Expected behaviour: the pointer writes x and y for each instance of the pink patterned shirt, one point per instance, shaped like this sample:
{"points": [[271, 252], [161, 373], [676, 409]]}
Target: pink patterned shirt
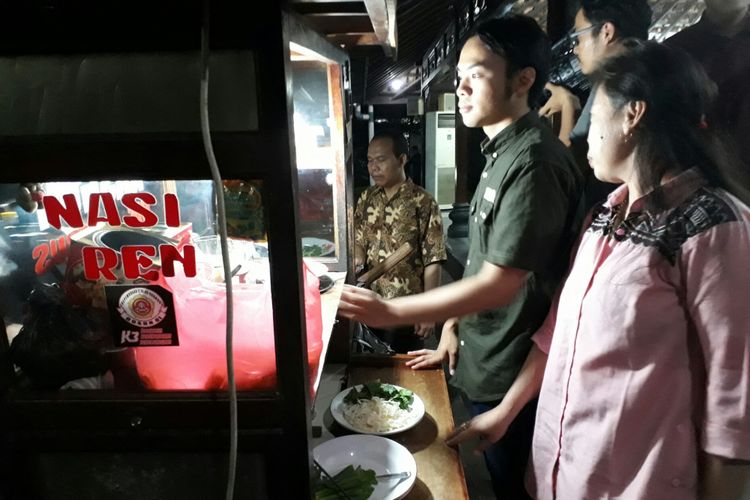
{"points": [[650, 359]]}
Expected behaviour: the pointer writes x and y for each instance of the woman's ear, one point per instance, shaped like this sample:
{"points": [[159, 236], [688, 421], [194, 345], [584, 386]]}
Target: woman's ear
{"points": [[634, 113]]}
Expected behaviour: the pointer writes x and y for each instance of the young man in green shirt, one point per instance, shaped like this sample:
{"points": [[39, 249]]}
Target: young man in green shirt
{"points": [[523, 219]]}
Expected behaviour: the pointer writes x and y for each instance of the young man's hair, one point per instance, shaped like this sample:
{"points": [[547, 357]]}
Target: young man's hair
{"points": [[631, 18], [522, 43], [398, 141]]}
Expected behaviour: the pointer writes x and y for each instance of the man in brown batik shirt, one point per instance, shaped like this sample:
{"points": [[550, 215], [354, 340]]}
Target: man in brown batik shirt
{"points": [[390, 213]]}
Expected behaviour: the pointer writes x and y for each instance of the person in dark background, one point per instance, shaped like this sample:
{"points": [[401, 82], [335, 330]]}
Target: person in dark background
{"points": [[720, 42], [392, 212], [361, 175], [16, 266], [525, 215], [414, 168], [599, 29]]}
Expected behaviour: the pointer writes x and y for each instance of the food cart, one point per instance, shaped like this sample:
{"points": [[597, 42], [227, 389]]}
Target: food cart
{"points": [[101, 105], [112, 372]]}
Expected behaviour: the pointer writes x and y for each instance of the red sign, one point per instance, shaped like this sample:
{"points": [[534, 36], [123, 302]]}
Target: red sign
{"points": [[99, 262]]}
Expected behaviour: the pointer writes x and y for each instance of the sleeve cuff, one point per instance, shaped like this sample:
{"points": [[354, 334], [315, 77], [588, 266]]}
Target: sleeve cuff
{"points": [[435, 258], [543, 339], [515, 261], [728, 443]]}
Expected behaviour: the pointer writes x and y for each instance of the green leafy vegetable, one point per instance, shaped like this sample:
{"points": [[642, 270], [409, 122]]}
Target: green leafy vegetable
{"points": [[403, 397], [356, 482], [312, 250]]}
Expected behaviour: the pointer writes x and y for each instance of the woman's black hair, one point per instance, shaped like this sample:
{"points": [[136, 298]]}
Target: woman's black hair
{"points": [[674, 133], [522, 43]]}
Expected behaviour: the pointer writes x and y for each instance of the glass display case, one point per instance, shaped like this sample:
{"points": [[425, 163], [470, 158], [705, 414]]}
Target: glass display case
{"points": [[119, 285], [320, 154], [111, 296]]}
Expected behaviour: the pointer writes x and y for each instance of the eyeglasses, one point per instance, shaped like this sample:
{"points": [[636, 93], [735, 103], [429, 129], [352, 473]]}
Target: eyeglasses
{"points": [[573, 35]]}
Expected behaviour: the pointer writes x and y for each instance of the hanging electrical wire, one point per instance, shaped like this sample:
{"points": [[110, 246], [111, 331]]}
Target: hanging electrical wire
{"points": [[218, 192]]}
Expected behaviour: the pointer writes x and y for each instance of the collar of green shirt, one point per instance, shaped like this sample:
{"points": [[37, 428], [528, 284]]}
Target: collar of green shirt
{"points": [[495, 146]]}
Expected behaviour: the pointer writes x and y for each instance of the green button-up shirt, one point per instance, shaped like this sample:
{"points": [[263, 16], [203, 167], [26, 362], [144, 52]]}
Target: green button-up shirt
{"points": [[525, 214]]}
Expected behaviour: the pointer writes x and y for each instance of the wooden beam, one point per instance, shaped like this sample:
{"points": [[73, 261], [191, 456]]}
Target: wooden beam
{"points": [[353, 39], [319, 1], [382, 19], [392, 27], [357, 7], [335, 22]]}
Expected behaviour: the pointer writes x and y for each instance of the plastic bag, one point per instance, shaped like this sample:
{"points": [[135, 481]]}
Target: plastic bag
{"points": [[58, 343], [365, 341], [199, 362]]}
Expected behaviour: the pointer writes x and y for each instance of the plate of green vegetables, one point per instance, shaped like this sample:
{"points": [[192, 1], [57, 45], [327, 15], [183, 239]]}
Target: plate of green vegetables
{"points": [[377, 408], [355, 461]]}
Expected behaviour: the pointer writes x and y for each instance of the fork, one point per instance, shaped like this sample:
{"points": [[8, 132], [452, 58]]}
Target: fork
{"points": [[395, 475]]}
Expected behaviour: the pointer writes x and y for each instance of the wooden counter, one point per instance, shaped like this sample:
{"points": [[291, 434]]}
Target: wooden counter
{"points": [[440, 475], [329, 304]]}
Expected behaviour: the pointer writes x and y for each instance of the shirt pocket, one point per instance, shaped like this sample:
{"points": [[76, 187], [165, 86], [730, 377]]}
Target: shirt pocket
{"points": [[482, 219], [404, 229], [484, 212]]}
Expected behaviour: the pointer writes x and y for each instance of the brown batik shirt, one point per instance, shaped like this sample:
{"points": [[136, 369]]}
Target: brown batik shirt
{"points": [[381, 226]]}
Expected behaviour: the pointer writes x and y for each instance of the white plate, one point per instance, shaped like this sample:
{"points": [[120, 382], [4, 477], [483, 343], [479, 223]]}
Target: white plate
{"points": [[337, 411], [370, 452], [328, 246], [317, 268]]}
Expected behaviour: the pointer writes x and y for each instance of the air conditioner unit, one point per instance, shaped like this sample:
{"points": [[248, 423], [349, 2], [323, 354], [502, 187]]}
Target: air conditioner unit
{"points": [[440, 157], [414, 106], [447, 102]]}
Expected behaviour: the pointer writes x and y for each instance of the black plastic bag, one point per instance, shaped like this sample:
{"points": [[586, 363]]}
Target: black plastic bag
{"points": [[365, 341], [57, 343]]}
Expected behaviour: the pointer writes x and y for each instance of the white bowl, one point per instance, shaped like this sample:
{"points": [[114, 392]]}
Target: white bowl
{"points": [[327, 247], [337, 411], [370, 452]]}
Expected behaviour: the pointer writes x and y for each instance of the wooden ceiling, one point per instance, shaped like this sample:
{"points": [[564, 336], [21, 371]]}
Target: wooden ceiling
{"points": [[353, 23], [388, 38]]}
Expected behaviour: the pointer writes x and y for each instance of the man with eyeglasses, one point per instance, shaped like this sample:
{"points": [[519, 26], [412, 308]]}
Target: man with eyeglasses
{"points": [[600, 26]]}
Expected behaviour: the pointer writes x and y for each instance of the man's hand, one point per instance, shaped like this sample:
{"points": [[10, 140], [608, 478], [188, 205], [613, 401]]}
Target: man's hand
{"points": [[366, 307], [447, 349], [29, 196], [561, 100], [489, 427], [424, 330]]}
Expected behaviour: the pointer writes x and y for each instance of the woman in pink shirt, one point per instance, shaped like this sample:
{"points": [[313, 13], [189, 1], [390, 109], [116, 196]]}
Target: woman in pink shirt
{"points": [[646, 356]]}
